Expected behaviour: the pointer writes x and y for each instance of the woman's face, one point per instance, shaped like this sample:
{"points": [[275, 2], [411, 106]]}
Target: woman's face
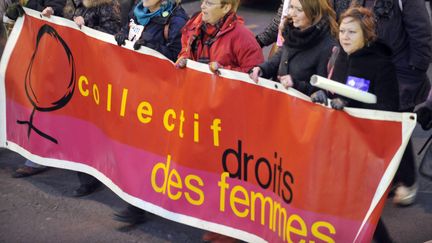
{"points": [[351, 35], [213, 10], [295, 11], [152, 5]]}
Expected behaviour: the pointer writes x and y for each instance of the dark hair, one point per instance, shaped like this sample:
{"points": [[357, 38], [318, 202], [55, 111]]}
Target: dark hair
{"points": [[365, 18], [315, 10]]}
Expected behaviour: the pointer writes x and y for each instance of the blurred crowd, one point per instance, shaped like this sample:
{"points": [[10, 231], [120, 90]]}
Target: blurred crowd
{"points": [[378, 46]]}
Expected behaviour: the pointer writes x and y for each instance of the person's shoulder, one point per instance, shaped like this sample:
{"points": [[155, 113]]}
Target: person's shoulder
{"points": [[243, 37], [380, 49], [326, 44], [179, 11], [240, 28], [193, 22], [179, 15], [330, 39], [243, 34]]}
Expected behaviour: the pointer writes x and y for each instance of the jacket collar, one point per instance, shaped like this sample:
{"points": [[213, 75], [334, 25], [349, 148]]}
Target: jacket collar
{"points": [[230, 22]]}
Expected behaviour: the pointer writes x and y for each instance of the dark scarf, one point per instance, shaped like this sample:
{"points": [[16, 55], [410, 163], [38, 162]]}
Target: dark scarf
{"points": [[302, 39], [205, 35]]}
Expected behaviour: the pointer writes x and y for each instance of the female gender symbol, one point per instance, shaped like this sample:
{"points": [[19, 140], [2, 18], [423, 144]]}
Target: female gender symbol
{"points": [[32, 93]]}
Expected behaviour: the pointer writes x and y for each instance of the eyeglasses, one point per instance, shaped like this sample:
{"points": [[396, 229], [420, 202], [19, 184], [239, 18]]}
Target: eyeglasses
{"points": [[209, 4]]}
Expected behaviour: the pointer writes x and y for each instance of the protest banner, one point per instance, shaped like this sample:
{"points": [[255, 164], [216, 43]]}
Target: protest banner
{"points": [[221, 153]]}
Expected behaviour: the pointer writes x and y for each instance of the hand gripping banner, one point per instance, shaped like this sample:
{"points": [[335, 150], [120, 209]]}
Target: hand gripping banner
{"points": [[255, 162]]}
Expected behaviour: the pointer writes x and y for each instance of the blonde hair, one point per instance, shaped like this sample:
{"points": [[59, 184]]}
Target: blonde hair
{"points": [[234, 3]]}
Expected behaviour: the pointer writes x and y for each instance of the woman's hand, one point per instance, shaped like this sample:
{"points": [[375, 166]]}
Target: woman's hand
{"points": [[338, 103], [319, 97], [47, 12], [214, 67], [181, 62], [79, 20], [120, 38], [286, 81], [255, 73]]}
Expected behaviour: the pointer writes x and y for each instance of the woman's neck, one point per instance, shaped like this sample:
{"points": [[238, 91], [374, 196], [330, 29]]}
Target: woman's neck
{"points": [[154, 8]]}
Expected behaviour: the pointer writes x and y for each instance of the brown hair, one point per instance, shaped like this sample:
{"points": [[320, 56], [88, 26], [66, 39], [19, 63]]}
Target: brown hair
{"points": [[315, 10], [234, 4], [365, 18]]}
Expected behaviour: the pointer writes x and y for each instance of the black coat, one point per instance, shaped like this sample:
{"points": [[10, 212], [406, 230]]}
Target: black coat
{"points": [[303, 54], [269, 35], [408, 33], [372, 63], [40, 5], [103, 15]]}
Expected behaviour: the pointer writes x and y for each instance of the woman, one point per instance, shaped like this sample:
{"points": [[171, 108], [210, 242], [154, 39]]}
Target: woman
{"points": [[103, 15], [217, 36], [368, 63], [363, 61], [307, 47], [405, 27], [155, 24]]}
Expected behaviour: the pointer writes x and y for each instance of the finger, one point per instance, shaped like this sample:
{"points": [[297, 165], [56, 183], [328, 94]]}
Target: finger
{"points": [[285, 83], [255, 75], [337, 105], [255, 78], [215, 71], [181, 63]]}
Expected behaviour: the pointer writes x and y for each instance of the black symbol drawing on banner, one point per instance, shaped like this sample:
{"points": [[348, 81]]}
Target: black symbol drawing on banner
{"points": [[34, 97]]}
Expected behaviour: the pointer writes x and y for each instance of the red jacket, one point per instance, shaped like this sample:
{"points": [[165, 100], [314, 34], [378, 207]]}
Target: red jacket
{"points": [[234, 46]]}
